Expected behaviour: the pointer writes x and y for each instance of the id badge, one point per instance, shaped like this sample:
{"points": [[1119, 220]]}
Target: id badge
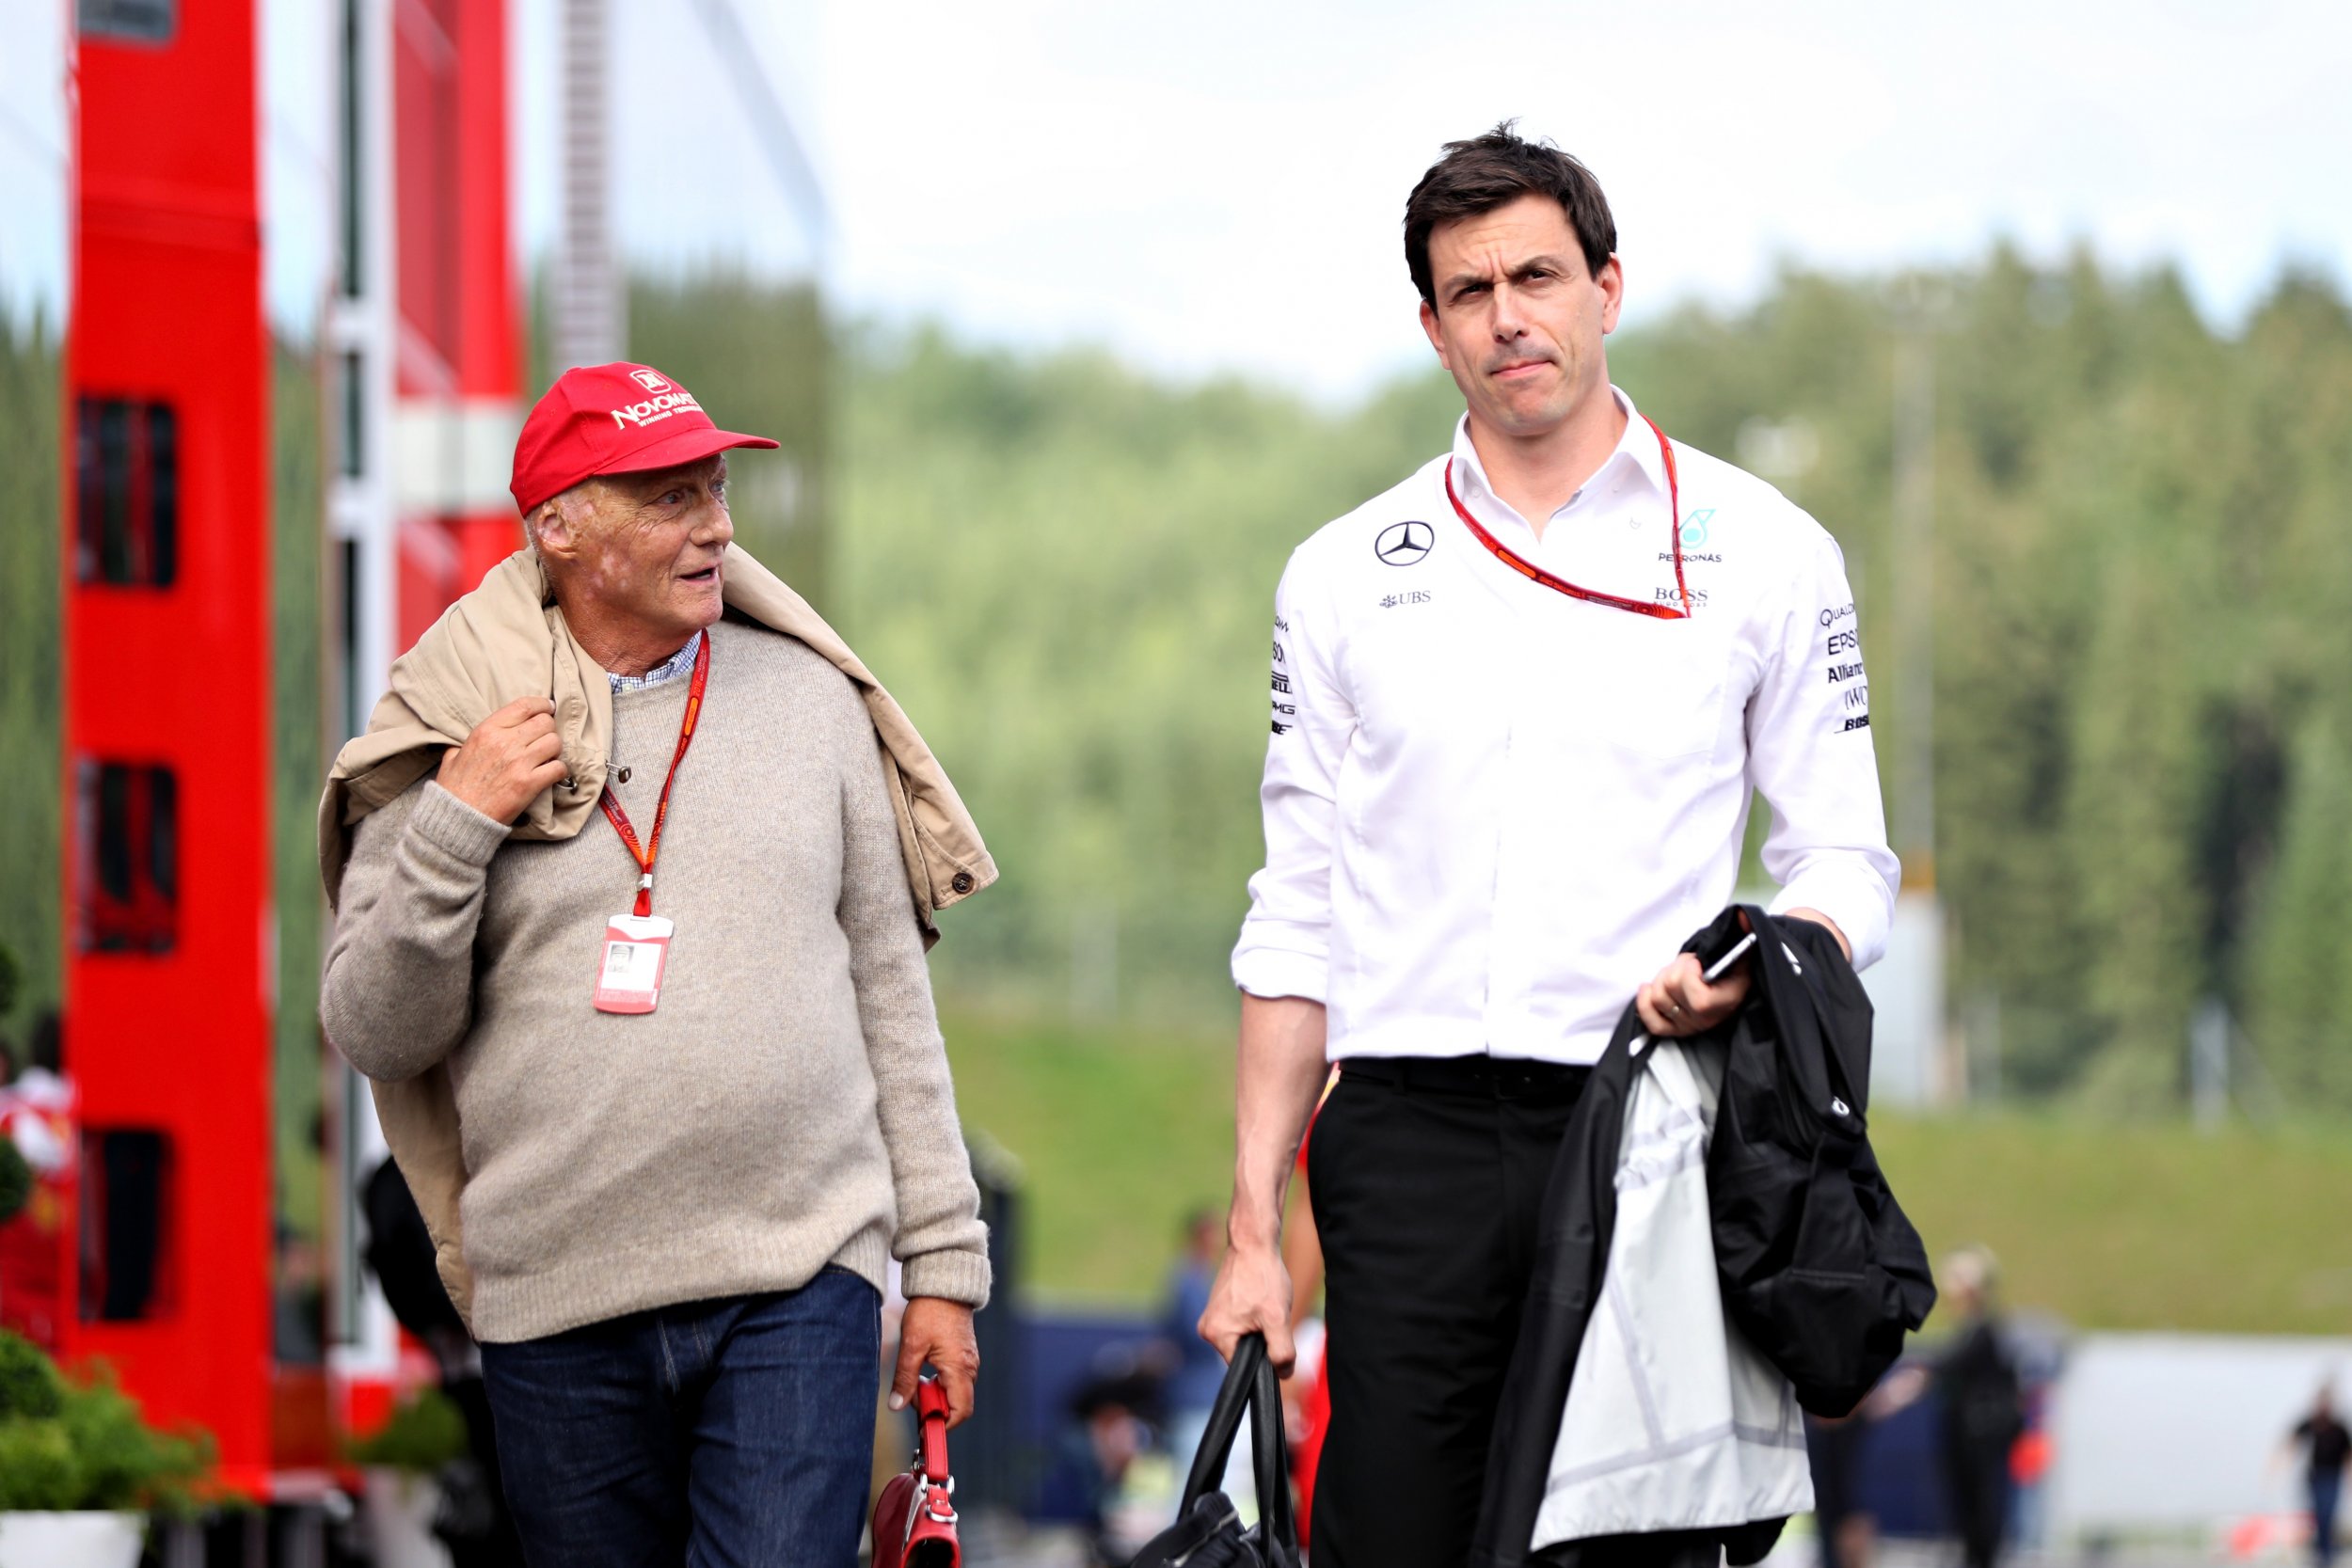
{"points": [[636, 949]]}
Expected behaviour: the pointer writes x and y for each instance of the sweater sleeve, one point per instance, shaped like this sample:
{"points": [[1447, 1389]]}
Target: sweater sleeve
{"points": [[398, 993], [941, 1240]]}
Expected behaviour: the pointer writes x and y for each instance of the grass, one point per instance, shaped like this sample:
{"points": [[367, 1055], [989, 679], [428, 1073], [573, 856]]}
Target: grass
{"points": [[2148, 1226], [1119, 1132]]}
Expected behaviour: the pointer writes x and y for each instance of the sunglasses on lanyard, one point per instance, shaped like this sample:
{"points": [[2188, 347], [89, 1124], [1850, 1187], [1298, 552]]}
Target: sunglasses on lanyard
{"points": [[1533, 573]]}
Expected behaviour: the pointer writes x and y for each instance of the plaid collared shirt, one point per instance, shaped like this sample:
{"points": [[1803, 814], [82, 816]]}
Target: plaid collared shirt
{"points": [[676, 664]]}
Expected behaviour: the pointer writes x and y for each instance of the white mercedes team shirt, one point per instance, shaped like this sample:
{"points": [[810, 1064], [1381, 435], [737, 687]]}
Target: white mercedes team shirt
{"points": [[1492, 811]]}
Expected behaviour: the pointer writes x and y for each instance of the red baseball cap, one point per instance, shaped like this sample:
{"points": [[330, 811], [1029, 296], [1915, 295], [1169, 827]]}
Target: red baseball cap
{"points": [[616, 418]]}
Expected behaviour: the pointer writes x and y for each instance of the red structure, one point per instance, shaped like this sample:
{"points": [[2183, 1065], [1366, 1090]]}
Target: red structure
{"points": [[169, 954], [164, 1262], [458, 369]]}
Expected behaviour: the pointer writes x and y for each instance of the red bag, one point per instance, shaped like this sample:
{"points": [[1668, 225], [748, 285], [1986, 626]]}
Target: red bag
{"points": [[914, 1523]]}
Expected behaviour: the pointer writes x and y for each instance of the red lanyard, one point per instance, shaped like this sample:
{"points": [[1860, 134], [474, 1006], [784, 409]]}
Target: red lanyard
{"points": [[643, 854], [1533, 573]]}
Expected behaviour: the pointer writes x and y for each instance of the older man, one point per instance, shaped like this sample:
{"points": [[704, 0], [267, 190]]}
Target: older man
{"points": [[699, 1094]]}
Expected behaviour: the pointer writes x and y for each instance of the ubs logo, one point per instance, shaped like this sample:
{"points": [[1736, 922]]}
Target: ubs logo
{"points": [[1404, 544]]}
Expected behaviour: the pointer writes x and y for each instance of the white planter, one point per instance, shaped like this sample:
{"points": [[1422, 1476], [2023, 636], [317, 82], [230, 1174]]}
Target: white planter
{"points": [[71, 1540], [398, 1506]]}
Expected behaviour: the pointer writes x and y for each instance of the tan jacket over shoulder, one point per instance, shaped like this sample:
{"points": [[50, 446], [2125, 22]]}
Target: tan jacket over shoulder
{"points": [[506, 640]]}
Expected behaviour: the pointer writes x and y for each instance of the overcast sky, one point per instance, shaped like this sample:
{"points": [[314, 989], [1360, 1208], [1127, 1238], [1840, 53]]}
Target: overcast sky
{"points": [[1218, 185]]}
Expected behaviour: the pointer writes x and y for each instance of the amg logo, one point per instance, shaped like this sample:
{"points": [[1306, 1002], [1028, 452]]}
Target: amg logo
{"points": [[653, 410]]}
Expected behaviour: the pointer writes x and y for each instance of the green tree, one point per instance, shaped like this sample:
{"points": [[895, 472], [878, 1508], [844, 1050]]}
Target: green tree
{"points": [[2300, 959]]}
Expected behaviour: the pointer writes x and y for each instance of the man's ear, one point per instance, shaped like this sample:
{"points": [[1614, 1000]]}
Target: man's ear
{"points": [[1612, 281], [558, 540], [1429, 325]]}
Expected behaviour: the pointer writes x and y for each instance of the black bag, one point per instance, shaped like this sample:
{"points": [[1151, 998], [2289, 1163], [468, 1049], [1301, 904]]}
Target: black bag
{"points": [[1208, 1532], [1819, 1266]]}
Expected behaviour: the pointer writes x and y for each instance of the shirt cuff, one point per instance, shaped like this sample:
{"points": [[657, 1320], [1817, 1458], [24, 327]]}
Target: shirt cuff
{"points": [[951, 1276], [1856, 900], [1271, 972], [456, 828]]}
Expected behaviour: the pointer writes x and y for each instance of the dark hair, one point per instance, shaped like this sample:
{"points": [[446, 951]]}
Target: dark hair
{"points": [[1494, 170]]}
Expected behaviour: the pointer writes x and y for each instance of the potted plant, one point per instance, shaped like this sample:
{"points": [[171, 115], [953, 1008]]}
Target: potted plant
{"points": [[80, 1468], [402, 1463]]}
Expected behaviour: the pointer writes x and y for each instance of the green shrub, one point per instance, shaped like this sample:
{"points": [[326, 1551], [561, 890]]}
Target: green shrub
{"points": [[69, 1445], [125, 1462], [425, 1431], [30, 1388], [37, 1468], [16, 1180]]}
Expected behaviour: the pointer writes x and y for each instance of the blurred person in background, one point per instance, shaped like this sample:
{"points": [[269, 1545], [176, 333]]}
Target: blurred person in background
{"points": [[1126, 1488], [2327, 1448], [680, 1173], [1520, 705], [1307, 1392], [1983, 1407], [38, 1121], [471, 1520], [1845, 1529], [1198, 1371]]}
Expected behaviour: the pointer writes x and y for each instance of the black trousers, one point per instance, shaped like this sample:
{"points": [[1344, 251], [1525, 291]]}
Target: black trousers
{"points": [[1428, 1180]]}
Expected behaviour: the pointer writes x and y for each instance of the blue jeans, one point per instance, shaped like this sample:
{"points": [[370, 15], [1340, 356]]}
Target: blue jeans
{"points": [[2326, 1488], [731, 1432]]}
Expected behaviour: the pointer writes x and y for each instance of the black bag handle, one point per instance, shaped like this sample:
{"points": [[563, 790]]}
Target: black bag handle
{"points": [[1225, 1419], [1271, 1456], [1249, 1390]]}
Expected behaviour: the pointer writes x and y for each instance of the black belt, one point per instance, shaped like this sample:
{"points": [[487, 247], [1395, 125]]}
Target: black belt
{"points": [[1493, 1077]]}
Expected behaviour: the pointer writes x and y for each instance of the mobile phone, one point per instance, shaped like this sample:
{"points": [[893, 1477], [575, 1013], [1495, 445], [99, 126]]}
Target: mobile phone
{"points": [[1721, 966]]}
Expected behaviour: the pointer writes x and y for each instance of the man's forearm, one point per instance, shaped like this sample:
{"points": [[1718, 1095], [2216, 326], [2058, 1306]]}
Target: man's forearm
{"points": [[397, 990], [1819, 919], [1280, 1070]]}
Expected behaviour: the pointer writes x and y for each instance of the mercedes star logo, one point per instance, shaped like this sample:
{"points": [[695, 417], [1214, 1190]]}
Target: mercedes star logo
{"points": [[1403, 543]]}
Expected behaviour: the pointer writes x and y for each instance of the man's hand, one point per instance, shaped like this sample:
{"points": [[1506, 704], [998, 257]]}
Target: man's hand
{"points": [[1677, 1001], [510, 757], [939, 1331], [1252, 1293]]}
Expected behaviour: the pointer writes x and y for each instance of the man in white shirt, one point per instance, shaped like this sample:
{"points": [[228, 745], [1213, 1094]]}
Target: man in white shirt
{"points": [[1520, 704]]}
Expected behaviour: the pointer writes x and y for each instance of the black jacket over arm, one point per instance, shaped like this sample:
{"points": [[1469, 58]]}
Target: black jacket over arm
{"points": [[1819, 1269]]}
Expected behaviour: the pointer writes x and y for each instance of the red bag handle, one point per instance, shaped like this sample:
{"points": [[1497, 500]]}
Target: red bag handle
{"points": [[930, 1413], [915, 1521]]}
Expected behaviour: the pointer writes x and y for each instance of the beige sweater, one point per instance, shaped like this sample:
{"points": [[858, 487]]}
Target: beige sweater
{"points": [[786, 1106], [507, 639]]}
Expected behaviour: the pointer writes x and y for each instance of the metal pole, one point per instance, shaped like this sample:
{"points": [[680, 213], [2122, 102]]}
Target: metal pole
{"points": [[1915, 599], [2209, 1065], [591, 306]]}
